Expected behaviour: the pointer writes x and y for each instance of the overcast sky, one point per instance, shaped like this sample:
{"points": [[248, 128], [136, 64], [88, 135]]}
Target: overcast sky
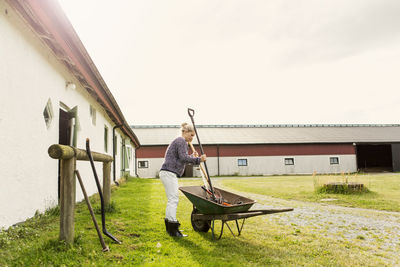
{"points": [[246, 61]]}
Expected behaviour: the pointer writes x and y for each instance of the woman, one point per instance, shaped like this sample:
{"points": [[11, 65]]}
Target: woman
{"points": [[173, 167]]}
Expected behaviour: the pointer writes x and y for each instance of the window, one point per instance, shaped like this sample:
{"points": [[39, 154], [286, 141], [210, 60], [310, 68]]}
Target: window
{"points": [[143, 164], [242, 162], [48, 113], [289, 161], [127, 156], [93, 114], [334, 160], [105, 139]]}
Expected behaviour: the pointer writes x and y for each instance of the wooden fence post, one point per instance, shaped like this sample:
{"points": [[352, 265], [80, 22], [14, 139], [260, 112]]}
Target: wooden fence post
{"points": [[107, 183], [68, 156], [67, 200]]}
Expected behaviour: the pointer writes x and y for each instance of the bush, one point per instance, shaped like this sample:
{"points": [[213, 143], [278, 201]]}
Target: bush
{"points": [[340, 184], [343, 188]]}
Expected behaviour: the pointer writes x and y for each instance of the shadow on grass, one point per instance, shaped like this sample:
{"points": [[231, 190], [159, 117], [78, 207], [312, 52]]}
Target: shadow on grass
{"points": [[229, 251]]}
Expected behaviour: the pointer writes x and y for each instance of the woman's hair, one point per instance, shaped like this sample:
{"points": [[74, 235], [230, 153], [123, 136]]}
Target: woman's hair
{"points": [[187, 127]]}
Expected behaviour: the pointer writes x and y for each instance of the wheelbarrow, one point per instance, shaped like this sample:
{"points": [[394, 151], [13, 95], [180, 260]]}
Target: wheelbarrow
{"points": [[211, 204], [234, 208]]}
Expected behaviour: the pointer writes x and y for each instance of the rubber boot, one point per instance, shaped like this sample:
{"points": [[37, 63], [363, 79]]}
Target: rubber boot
{"points": [[167, 227], [174, 227]]}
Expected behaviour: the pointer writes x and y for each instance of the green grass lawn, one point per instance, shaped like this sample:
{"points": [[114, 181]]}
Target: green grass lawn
{"points": [[384, 189], [139, 222]]}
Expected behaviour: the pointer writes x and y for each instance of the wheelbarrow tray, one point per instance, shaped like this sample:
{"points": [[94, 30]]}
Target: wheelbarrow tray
{"points": [[201, 200]]}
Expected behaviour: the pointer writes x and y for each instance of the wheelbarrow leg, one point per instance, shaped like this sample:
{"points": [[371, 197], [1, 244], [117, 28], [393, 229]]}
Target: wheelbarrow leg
{"points": [[212, 230], [241, 227], [224, 222]]}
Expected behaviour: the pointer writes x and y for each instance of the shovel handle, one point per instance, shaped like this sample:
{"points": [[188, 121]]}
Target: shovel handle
{"points": [[191, 112], [192, 147], [201, 167], [203, 171]]}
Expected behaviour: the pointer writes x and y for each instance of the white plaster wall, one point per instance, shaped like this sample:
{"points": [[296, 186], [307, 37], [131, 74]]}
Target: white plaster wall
{"points": [[266, 165], [154, 167], [156, 163], [212, 166], [29, 76], [275, 165]]}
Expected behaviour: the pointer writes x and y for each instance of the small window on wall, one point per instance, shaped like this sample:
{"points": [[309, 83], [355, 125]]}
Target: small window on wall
{"points": [[242, 162], [105, 138], [48, 113], [143, 164], [334, 160], [128, 156], [289, 161], [93, 115]]}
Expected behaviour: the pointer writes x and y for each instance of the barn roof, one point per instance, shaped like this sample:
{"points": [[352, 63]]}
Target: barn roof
{"points": [[274, 134], [48, 21]]}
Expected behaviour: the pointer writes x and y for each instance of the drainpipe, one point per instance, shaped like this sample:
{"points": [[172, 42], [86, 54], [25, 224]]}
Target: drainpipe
{"points": [[74, 114], [136, 164], [218, 158], [355, 150], [114, 146]]}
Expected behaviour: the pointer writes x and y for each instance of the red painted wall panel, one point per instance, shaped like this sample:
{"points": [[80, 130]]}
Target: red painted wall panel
{"points": [[151, 152], [256, 150], [281, 150]]}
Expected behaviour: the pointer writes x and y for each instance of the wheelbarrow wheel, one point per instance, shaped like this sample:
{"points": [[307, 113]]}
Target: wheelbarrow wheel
{"points": [[200, 225]]}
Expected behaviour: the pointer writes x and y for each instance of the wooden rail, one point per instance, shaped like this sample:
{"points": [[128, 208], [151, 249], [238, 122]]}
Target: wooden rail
{"points": [[68, 156], [66, 152]]}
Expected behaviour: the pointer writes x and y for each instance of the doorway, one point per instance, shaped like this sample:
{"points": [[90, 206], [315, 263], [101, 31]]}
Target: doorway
{"points": [[188, 170], [64, 137], [374, 157]]}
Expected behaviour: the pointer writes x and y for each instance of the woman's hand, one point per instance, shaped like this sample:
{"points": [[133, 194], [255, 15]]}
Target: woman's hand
{"points": [[203, 158], [195, 154]]}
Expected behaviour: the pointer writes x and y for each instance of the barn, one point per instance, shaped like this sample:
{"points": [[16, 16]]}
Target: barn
{"points": [[278, 149], [51, 92]]}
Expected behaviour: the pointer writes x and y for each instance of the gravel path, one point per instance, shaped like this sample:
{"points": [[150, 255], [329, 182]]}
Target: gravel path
{"points": [[379, 231]]}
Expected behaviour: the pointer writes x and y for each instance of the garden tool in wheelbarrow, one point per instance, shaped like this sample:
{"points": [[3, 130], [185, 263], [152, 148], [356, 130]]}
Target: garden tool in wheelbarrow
{"points": [[211, 204], [206, 180], [214, 195]]}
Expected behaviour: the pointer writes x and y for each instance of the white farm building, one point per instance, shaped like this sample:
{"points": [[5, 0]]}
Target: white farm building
{"points": [[51, 92], [278, 149]]}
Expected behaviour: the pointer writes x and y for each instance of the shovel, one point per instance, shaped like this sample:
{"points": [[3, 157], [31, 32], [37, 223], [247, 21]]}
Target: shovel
{"points": [[207, 175]]}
